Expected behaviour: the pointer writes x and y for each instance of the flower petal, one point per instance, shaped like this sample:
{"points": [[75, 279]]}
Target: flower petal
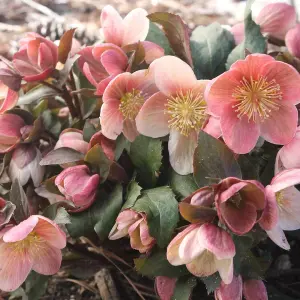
{"points": [[278, 237], [232, 291], [114, 62], [225, 269], [254, 290], [285, 179], [129, 130]]}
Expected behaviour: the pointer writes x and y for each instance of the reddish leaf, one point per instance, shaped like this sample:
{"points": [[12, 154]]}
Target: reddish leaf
{"points": [[137, 56], [11, 79], [176, 32], [65, 45]]}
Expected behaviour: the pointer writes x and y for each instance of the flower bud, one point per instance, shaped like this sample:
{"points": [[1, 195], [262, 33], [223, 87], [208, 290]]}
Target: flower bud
{"points": [[231, 291], [25, 164], [135, 225], [36, 58], [106, 144], [254, 290], [292, 41], [78, 186]]}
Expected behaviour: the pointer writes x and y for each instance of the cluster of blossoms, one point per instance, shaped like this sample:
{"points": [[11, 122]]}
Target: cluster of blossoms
{"points": [[141, 94]]}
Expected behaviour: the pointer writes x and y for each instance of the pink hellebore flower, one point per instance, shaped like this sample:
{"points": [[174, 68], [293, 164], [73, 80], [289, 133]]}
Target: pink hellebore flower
{"points": [[100, 64], [25, 164], [135, 225], [10, 131], [72, 138], [122, 101], [240, 203], [283, 207], [204, 249], [34, 244], [78, 186], [257, 96], [179, 109], [36, 58], [292, 40], [121, 32]]}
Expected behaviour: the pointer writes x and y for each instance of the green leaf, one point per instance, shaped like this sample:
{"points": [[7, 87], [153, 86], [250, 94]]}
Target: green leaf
{"points": [[249, 167], [210, 47], [109, 212], [158, 265], [213, 160], [237, 53], [146, 155], [184, 288], [88, 130], [51, 123], [60, 156], [161, 209], [182, 185], [211, 282], [57, 211], [156, 35], [176, 32], [133, 192], [38, 93], [36, 285], [121, 144]]}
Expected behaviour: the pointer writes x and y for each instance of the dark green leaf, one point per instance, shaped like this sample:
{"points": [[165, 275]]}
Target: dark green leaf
{"points": [[145, 153], [211, 282], [176, 32], [249, 167], [213, 160], [88, 106], [88, 130], [51, 123], [40, 108], [184, 288], [36, 285], [237, 53], [161, 209], [210, 47], [109, 212], [158, 265], [121, 144], [133, 192], [60, 156]]}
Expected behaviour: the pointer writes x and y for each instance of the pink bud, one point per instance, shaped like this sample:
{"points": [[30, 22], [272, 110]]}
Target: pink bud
{"points": [[135, 225], [25, 164], [292, 40], [231, 291], [238, 31], [36, 58], [78, 186], [164, 287], [10, 131], [255, 290], [106, 144], [72, 138]]}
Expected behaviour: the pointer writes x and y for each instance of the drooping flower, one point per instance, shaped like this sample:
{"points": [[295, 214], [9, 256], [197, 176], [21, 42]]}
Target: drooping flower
{"points": [[25, 164], [292, 40], [179, 109], [283, 206], [239, 203], [78, 186], [257, 96], [36, 58], [10, 131], [101, 63], [34, 244], [135, 225], [121, 32], [122, 101], [231, 291], [204, 249]]}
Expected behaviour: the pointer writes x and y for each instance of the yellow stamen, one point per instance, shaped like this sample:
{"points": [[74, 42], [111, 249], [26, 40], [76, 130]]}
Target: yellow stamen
{"points": [[33, 242], [282, 201], [187, 112], [256, 98], [131, 104]]}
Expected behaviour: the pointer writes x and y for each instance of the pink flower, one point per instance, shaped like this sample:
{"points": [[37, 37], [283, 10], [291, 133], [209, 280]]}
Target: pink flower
{"points": [[108, 146], [292, 40], [25, 164], [135, 225], [100, 64], [36, 58], [254, 290], [239, 203], [283, 207], [34, 244], [78, 186], [257, 96], [122, 100], [72, 138], [164, 287], [204, 249], [179, 109], [10, 131], [121, 32], [238, 31]]}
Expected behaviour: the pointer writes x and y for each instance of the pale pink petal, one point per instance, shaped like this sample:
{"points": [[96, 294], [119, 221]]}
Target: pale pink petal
{"points": [[213, 127], [216, 240], [10, 101], [21, 231], [225, 269], [181, 151], [254, 290], [278, 237], [112, 25], [164, 287], [45, 59], [172, 75], [234, 131], [14, 268], [145, 236], [285, 179], [153, 112], [238, 31], [46, 259], [89, 75], [232, 291], [292, 41], [136, 26], [102, 85], [129, 130], [278, 164], [116, 234], [114, 62], [152, 51], [111, 120]]}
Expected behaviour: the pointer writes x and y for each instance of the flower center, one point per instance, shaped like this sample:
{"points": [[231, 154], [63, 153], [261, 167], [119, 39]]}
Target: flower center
{"points": [[31, 241], [131, 104], [187, 112], [256, 98], [282, 201], [236, 200]]}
